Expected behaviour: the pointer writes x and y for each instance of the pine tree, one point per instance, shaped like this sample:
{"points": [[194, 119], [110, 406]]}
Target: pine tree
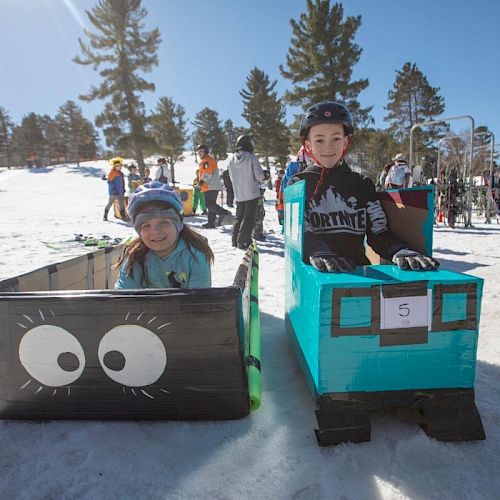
{"points": [[6, 125], [372, 149], [77, 133], [482, 152], [53, 142], [209, 131], [321, 58], [28, 141], [168, 128], [122, 50], [413, 100], [231, 134], [265, 115]]}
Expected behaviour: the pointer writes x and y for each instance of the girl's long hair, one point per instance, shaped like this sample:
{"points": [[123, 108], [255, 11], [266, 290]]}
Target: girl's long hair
{"points": [[137, 251]]}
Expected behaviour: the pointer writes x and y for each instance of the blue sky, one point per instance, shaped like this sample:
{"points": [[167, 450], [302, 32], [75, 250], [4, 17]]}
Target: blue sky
{"points": [[209, 47]]}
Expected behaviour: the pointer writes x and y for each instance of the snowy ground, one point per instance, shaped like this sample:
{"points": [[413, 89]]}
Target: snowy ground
{"points": [[272, 454]]}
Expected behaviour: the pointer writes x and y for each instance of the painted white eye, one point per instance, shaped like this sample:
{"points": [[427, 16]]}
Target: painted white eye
{"points": [[132, 355], [51, 355]]}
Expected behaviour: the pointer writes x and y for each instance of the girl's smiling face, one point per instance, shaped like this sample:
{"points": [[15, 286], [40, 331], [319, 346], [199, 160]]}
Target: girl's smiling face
{"points": [[327, 142], [159, 235]]}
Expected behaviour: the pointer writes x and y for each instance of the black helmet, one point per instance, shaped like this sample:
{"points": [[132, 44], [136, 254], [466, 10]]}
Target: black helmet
{"points": [[326, 112], [245, 142], [204, 147]]}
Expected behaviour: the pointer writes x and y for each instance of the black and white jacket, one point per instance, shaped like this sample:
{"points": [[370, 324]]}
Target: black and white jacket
{"points": [[344, 210]]}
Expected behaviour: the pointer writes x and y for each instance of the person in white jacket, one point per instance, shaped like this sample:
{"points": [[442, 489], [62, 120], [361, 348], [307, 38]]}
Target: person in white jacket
{"points": [[245, 172]]}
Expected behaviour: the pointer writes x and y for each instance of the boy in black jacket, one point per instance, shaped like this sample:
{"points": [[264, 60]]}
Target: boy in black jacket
{"points": [[342, 205]]}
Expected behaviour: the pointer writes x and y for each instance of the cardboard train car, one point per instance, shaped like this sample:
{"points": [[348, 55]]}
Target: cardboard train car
{"points": [[71, 347], [382, 339]]}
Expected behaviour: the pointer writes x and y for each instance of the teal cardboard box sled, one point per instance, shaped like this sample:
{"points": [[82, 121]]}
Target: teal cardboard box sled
{"points": [[380, 338]]}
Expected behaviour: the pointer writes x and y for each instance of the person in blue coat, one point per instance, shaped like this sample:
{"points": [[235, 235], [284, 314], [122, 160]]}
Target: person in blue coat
{"points": [[116, 187], [167, 253]]}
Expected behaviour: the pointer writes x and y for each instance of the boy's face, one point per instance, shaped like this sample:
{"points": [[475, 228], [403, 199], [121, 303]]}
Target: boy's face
{"points": [[327, 142], [201, 153]]}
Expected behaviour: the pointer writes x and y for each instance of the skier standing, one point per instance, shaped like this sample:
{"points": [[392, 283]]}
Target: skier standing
{"points": [[245, 172]]}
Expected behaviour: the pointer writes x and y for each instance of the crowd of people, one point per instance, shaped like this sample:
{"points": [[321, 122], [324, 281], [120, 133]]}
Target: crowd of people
{"points": [[169, 253]]}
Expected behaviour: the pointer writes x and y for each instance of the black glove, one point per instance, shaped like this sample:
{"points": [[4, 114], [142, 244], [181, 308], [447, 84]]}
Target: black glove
{"points": [[329, 262], [414, 261]]}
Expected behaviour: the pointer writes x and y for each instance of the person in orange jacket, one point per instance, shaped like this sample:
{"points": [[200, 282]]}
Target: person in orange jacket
{"points": [[210, 185]]}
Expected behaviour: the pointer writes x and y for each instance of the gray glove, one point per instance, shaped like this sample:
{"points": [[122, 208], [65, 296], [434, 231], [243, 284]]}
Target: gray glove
{"points": [[414, 261], [329, 262]]}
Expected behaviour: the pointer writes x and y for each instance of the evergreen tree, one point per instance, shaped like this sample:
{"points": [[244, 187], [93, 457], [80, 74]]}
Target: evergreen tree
{"points": [[79, 138], [482, 149], [168, 128], [6, 125], [53, 142], [231, 134], [322, 57], [209, 131], [122, 50], [28, 140], [265, 115], [372, 149], [413, 100]]}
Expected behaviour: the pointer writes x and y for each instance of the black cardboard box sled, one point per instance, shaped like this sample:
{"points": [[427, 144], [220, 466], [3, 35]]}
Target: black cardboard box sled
{"points": [[122, 354]]}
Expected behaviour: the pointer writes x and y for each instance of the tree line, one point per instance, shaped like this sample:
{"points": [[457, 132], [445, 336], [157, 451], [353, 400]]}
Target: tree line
{"points": [[319, 64]]}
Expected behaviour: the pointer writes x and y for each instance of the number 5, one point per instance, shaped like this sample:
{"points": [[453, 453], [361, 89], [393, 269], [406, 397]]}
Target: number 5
{"points": [[404, 310]]}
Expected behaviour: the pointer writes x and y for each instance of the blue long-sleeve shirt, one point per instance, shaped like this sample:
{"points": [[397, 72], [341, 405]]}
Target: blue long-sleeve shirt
{"points": [[179, 267]]}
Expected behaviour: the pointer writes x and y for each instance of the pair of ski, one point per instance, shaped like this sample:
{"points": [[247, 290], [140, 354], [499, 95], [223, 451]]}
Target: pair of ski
{"points": [[103, 241]]}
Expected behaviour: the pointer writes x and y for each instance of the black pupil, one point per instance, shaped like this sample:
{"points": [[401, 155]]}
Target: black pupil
{"points": [[114, 360], [68, 361]]}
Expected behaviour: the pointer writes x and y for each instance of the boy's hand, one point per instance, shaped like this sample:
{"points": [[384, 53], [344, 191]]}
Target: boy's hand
{"points": [[329, 262], [414, 261]]}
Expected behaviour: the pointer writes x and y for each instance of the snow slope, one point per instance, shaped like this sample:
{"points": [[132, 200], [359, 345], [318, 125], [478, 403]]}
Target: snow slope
{"points": [[272, 454]]}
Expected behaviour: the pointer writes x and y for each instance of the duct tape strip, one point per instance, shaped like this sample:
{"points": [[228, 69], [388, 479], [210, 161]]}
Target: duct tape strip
{"points": [[373, 328], [90, 271], [108, 263], [470, 319], [253, 361], [53, 277]]}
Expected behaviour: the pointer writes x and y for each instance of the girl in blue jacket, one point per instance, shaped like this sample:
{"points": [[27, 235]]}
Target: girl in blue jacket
{"points": [[167, 253]]}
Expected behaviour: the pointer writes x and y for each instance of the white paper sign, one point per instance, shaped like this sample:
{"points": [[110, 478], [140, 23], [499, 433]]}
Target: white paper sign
{"points": [[405, 312]]}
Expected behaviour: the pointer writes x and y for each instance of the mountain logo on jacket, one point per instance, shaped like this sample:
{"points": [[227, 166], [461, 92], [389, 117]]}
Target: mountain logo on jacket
{"points": [[333, 212]]}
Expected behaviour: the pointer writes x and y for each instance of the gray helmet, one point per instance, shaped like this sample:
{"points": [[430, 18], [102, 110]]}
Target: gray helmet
{"points": [[326, 112], [245, 142], [204, 147]]}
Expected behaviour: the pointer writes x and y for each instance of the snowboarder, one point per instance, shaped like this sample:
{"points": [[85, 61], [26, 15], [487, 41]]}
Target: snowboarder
{"points": [[167, 253], [341, 206]]}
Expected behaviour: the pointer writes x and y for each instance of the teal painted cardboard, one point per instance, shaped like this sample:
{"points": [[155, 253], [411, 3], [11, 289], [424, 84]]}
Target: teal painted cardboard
{"points": [[343, 325]]}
